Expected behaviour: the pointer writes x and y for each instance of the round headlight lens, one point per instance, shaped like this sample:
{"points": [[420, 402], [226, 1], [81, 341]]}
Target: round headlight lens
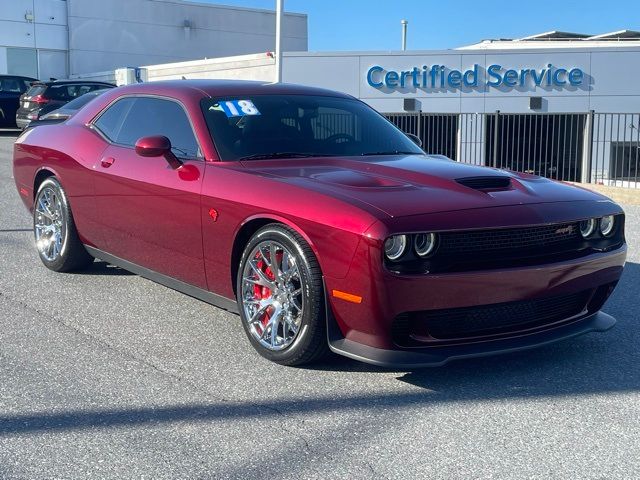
{"points": [[606, 225], [587, 227], [424, 243], [395, 246]]}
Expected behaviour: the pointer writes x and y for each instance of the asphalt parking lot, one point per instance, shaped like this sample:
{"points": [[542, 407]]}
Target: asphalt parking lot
{"points": [[107, 375]]}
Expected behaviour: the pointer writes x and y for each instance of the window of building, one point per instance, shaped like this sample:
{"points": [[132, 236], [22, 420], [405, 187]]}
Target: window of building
{"points": [[625, 158], [22, 61]]}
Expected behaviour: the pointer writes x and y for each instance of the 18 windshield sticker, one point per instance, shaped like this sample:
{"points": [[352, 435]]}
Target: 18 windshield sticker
{"points": [[236, 108]]}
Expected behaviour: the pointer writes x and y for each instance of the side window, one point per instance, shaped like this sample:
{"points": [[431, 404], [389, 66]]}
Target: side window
{"points": [[81, 90], [111, 120], [25, 85], [155, 116], [10, 84], [61, 93]]}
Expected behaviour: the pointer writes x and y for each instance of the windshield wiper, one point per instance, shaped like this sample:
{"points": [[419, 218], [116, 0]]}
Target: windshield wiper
{"points": [[263, 156], [394, 152]]}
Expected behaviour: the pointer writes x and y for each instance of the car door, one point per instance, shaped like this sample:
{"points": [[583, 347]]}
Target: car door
{"points": [[150, 212], [10, 90]]}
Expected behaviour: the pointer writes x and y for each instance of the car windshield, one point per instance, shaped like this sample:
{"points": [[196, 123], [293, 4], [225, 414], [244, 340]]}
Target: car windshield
{"points": [[253, 127]]}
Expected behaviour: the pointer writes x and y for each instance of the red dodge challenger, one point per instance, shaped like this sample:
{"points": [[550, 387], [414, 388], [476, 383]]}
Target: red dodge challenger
{"points": [[319, 222]]}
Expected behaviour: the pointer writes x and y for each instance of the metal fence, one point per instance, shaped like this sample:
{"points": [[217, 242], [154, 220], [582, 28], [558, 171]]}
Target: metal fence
{"points": [[438, 131], [584, 147], [542, 144], [615, 149]]}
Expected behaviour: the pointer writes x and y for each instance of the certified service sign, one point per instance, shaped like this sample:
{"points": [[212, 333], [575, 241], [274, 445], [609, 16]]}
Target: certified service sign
{"points": [[442, 77]]}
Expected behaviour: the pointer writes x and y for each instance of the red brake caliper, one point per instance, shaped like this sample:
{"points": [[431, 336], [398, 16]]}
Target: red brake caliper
{"points": [[260, 292]]}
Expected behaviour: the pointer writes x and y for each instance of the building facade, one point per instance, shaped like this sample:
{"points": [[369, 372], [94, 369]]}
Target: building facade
{"points": [[59, 38], [563, 109]]}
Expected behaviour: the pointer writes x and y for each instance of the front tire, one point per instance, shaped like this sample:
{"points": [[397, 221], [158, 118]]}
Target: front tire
{"points": [[57, 241], [281, 298]]}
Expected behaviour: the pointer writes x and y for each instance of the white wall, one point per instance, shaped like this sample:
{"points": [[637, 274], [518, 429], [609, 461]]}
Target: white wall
{"points": [[46, 32], [143, 32], [52, 64], [243, 67]]}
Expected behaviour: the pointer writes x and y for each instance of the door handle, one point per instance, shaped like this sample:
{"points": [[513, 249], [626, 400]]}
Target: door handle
{"points": [[107, 162]]}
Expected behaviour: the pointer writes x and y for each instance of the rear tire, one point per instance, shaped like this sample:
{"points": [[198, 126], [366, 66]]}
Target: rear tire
{"points": [[282, 304], [57, 240]]}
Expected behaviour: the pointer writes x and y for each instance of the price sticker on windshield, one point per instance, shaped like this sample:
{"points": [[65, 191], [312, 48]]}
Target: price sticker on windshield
{"points": [[238, 108]]}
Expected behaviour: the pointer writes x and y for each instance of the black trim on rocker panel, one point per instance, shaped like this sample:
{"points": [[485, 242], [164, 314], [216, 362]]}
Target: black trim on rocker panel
{"points": [[195, 292]]}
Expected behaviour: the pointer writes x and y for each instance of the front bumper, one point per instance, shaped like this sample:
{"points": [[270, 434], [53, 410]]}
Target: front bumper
{"points": [[434, 357], [365, 331]]}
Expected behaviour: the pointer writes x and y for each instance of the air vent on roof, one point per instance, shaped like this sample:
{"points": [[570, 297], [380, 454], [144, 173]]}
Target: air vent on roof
{"points": [[485, 183]]}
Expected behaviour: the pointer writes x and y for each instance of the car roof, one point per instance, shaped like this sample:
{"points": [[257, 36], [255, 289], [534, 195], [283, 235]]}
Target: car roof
{"points": [[191, 92], [214, 88], [7, 75]]}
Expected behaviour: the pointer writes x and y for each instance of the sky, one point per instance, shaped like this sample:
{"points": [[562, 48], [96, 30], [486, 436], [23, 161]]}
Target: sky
{"points": [[375, 24]]}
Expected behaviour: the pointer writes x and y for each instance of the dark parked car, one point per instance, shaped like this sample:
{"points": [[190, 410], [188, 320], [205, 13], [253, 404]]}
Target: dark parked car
{"points": [[11, 87], [45, 97], [68, 110], [319, 222]]}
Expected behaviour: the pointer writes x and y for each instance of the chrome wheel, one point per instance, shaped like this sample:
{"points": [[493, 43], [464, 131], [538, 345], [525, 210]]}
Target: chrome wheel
{"points": [[49, 223], [272, 296]]}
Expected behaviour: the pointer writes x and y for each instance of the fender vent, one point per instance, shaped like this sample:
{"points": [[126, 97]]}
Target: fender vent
{"points": [[485, 183]]}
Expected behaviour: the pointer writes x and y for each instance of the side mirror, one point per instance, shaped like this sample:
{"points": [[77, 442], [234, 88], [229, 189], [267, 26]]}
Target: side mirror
{"points": [[157, 146], [415, 139]]}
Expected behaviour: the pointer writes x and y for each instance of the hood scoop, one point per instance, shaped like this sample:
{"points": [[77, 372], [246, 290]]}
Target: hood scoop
{"points": [[494, 182]]}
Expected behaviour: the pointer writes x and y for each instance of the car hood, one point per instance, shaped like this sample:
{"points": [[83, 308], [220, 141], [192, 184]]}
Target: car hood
{"points": [[402, 185]]}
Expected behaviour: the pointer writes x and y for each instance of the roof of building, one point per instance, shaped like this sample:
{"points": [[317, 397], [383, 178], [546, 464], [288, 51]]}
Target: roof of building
{"points": [[557, 38], [555, 35], [617, 35]]}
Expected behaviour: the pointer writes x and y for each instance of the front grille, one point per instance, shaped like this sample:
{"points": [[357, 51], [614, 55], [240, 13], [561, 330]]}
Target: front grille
{"points": [[550, 238], [513, 247], [487, 320]]}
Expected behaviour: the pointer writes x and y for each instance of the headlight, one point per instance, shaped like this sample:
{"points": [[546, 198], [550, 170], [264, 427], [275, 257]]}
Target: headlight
{"points": [[424, 243], [587, 227], [395, 246], [606, 225]]}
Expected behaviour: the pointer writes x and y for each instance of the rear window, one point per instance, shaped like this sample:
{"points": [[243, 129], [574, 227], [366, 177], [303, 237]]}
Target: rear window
{"points": [[36, 90]]}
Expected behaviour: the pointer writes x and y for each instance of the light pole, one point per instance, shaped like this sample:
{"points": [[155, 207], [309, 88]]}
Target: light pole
{"points": [[279, 10], [404, 34]]}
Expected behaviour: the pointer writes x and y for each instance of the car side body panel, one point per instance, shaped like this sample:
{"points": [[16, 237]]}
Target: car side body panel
{"points": [[150, 213], [48, 148], [333, 230]]}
